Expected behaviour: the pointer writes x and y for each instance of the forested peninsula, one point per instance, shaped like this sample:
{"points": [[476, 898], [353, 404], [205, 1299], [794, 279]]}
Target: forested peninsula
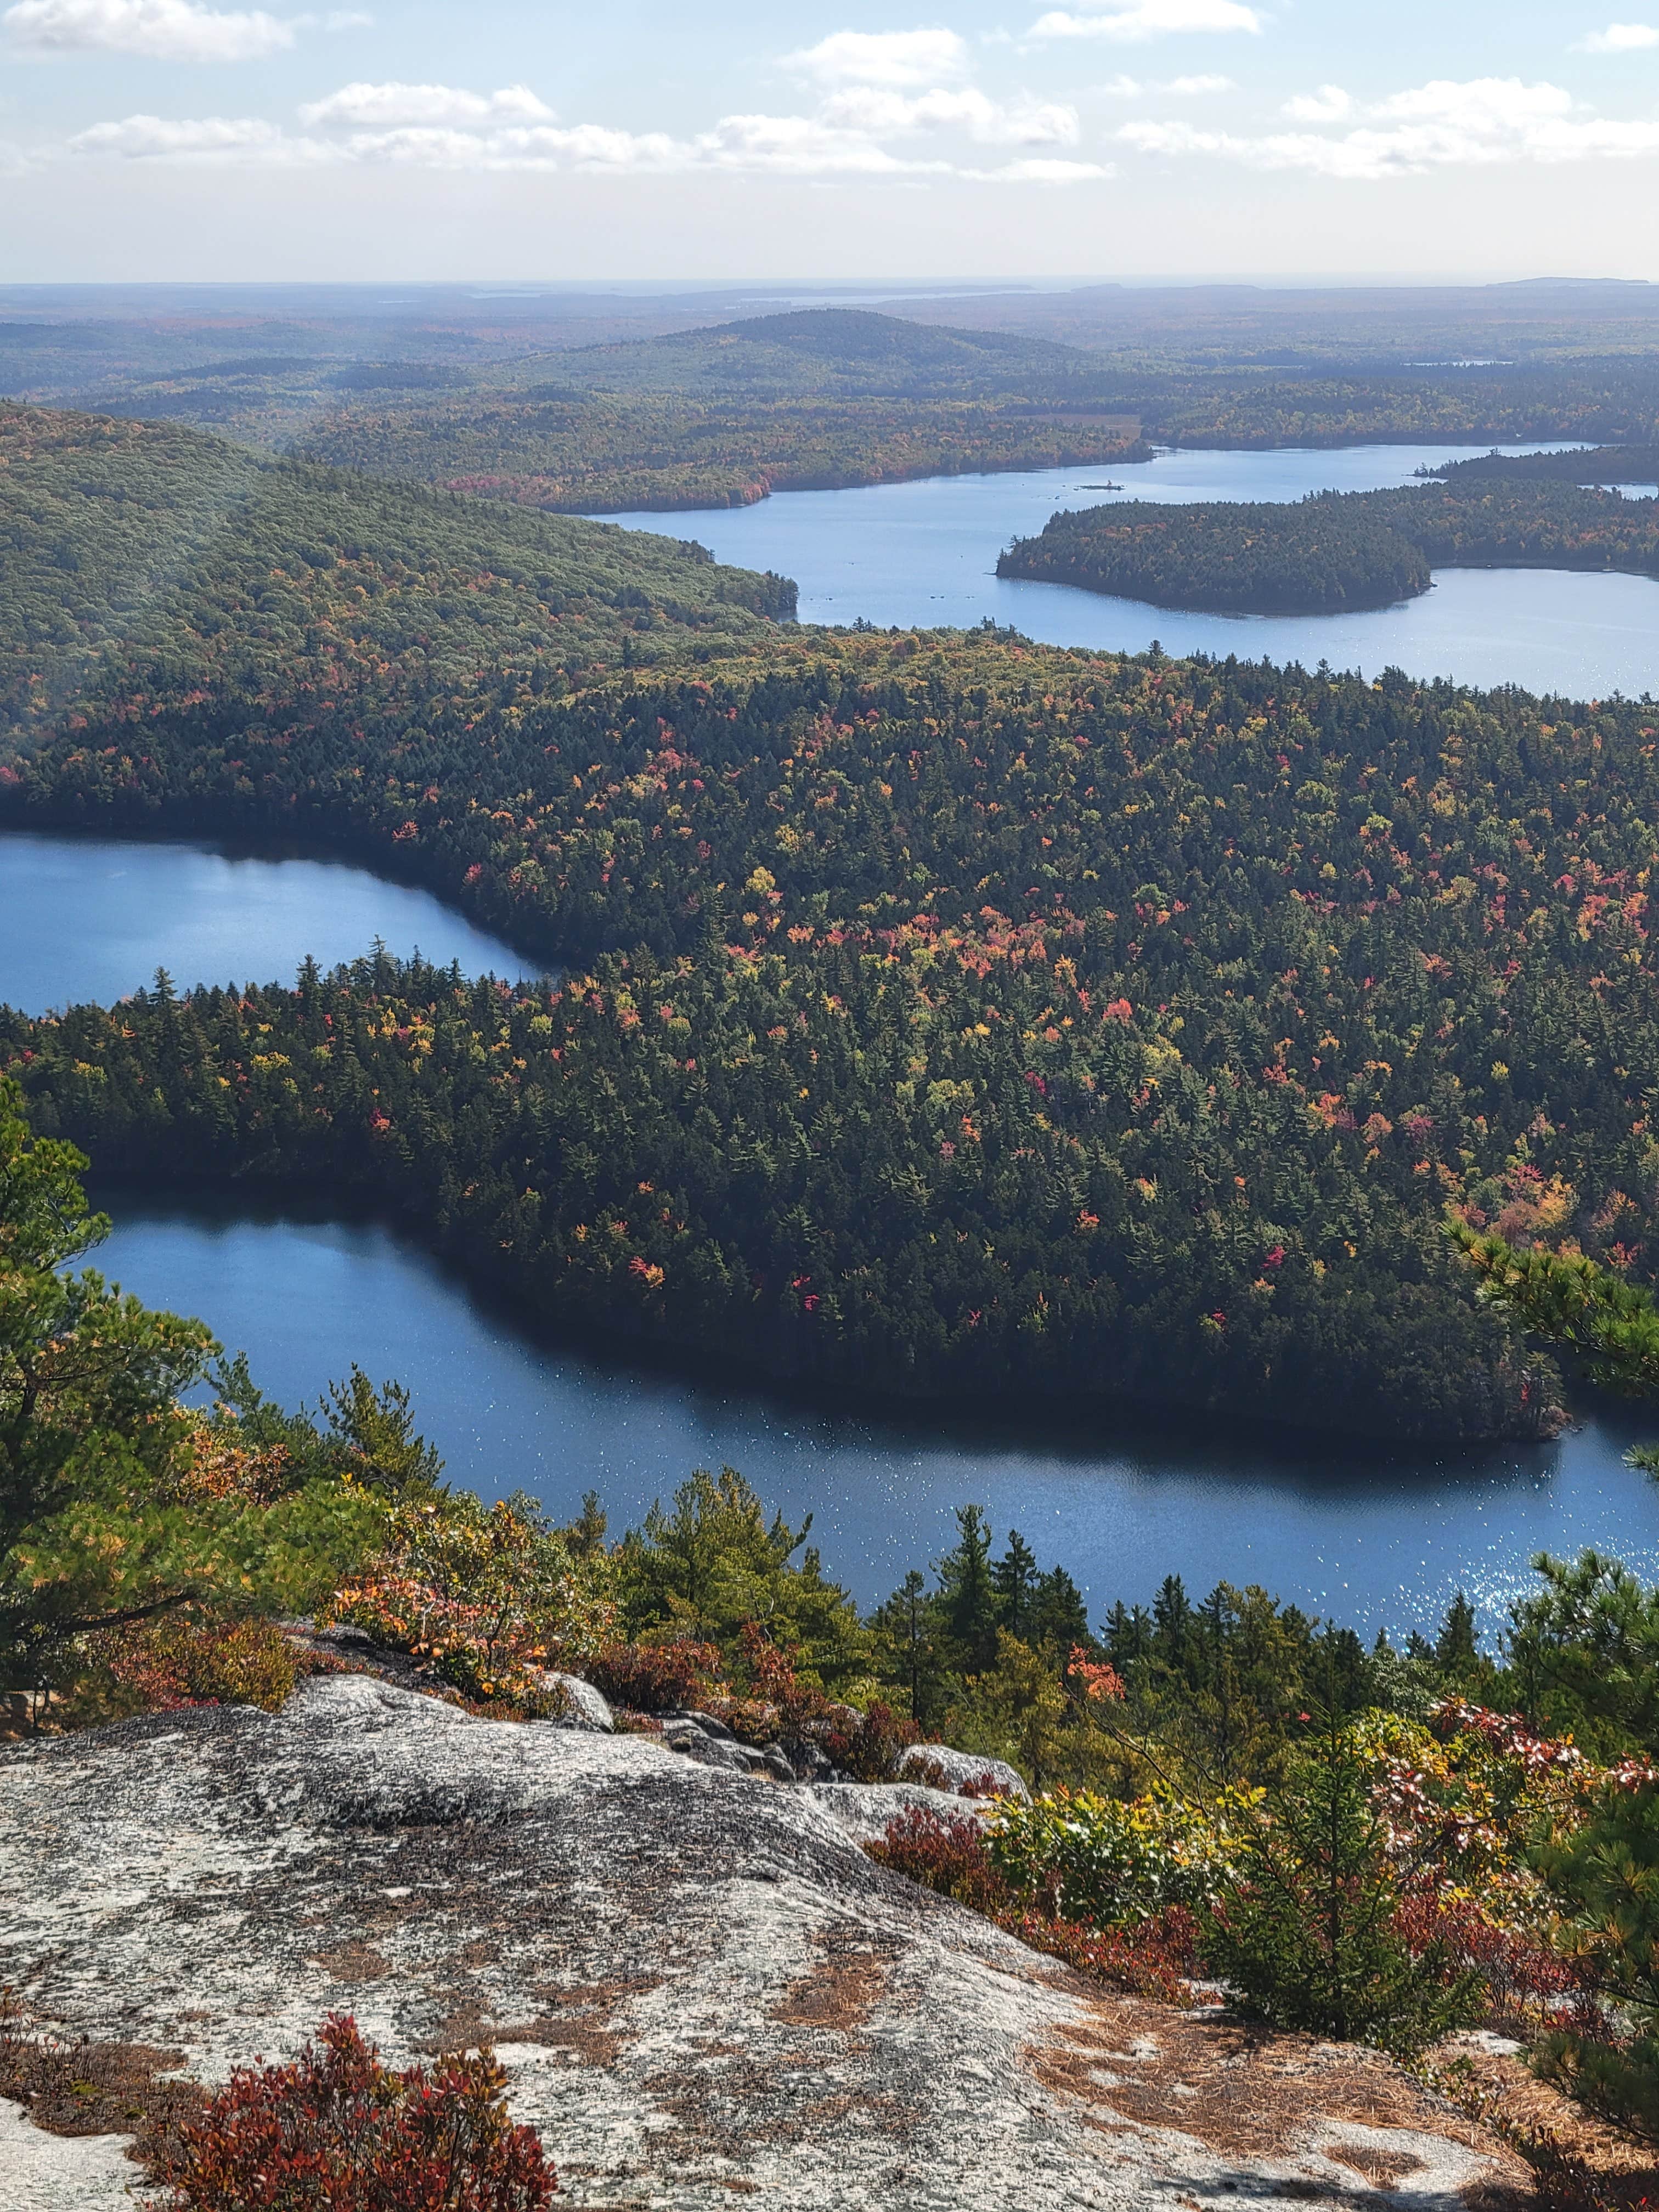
{"points": [[944, 1014], [1336, 551]]}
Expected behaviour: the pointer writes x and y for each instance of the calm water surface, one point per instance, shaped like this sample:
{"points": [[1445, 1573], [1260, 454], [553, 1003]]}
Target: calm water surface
{"points": [[1366, 1537], [917, 554], [90, 920]]}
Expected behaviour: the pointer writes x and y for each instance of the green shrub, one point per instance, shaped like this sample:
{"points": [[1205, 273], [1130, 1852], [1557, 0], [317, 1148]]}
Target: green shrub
{"points": [[1111, 1863]]}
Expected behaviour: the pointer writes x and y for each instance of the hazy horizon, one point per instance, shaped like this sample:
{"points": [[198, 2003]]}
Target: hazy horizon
{"points": [[177, 142]]}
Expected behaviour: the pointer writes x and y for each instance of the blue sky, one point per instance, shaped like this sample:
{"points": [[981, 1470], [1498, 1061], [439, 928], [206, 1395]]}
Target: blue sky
{"points": [[183, 139]]}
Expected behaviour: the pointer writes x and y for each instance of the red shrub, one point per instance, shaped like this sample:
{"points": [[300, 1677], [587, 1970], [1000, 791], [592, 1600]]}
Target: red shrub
{"points": [[337, 2131], [175, 1659], [945, 1852], [868, 1745], [1155, 1959], [1524, 1976], [656, 1678]]}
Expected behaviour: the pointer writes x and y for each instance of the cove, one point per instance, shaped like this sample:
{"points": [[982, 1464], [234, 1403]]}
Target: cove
{"points": [[90, 920], [922, 555], [1372, 1538]]}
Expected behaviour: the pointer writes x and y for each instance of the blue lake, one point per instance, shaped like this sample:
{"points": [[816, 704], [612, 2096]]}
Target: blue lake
{"points": [[91, 919], [1372, 1537], [925, 553]]}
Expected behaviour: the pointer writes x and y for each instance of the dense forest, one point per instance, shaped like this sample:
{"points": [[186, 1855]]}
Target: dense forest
{"points": [[835, 397], [719, 414], [134, 553], [1335, 550], [977, 1015], [582, 452], [950, 1014], [1576, 465]]}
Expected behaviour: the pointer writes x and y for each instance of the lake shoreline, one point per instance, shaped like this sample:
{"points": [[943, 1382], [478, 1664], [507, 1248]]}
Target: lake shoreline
{"points": [[1036, 1415]]}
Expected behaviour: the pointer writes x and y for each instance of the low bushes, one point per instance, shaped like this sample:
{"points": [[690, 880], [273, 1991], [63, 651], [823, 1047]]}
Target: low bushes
{"points": [[1113, 1864], [336, 2130], [178, 1660], [949, 1853]]}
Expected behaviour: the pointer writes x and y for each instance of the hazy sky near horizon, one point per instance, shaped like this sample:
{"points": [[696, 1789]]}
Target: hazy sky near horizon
{"points": [[182, 140]]}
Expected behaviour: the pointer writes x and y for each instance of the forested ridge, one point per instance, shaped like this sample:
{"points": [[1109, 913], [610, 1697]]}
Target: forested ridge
{"points": [[137, 553], [1336, 549], [1574, 464], [723, 414], [593, 454]]}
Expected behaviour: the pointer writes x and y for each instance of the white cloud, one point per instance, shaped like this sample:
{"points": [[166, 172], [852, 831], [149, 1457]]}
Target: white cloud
{"points": [[214, 137], [1619, 38], [1175, 88], [387, 106], [162, 30], [1328, 105], [1443, 124], [878, 114], [868, 120], [1038, 172], [348, 19], [1131, 21], [824, 145], [891, 57]]}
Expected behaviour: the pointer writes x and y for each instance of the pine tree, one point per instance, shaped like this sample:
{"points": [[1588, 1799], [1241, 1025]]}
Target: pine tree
{"points": [[1604, 1876], [1303, 1932], [1015, 1580], [1059, 1618], [1456, 1648], [909, 1640], [968, 1593], [1172, 1617]]}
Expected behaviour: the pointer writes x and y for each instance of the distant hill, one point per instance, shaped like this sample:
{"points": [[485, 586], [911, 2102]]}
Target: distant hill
{"points": [[822, 352], [133, 549]]}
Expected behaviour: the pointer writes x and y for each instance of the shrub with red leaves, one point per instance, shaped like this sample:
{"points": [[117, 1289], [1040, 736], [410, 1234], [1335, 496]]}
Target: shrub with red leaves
{"points": [[1156, 1958], [945, 1852], [178, 1660], [1526, 1980], [654, 1677], [337, 2131]]}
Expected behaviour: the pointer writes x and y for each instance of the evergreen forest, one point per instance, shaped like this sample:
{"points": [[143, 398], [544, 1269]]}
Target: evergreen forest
{"points": [[1337, 550], [944, 1014]]}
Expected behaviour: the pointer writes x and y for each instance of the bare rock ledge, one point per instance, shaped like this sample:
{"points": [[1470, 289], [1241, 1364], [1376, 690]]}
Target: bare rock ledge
{"points": [[701, 1986]]}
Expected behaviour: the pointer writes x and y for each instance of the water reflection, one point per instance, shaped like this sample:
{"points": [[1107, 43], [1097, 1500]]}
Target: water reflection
{"points": [[90, 920], [1374, 1536]]}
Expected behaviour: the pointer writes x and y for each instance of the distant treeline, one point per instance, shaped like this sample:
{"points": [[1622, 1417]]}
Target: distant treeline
{"points": [[1336, 551]]}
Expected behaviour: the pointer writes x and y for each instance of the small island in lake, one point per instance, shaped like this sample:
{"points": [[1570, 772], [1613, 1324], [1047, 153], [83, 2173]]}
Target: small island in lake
{"points": [[1337, 552]]}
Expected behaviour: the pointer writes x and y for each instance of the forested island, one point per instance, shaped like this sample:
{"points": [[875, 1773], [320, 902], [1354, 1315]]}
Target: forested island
{"points": [[1338, 550], [945, 1013], [1573, 465]]}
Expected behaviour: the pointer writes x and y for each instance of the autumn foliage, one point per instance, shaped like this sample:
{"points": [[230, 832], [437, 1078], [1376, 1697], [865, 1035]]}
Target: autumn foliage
{"points": [[336, 2130]]}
